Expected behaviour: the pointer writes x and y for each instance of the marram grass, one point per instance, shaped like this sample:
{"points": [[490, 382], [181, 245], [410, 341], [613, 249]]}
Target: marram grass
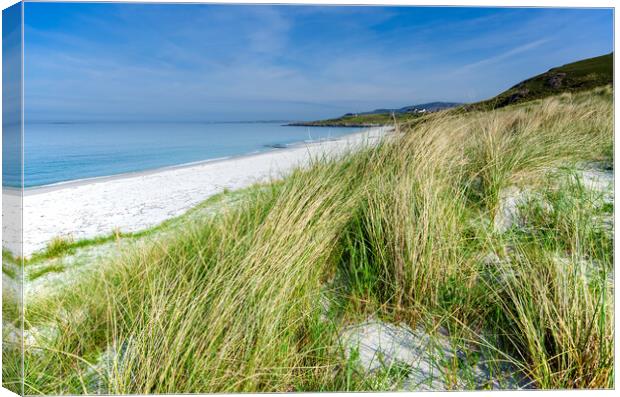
{"points": [[240, 301]]}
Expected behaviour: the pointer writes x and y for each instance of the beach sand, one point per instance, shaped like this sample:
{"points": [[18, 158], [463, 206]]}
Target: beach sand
{"points": [[133, 202]]}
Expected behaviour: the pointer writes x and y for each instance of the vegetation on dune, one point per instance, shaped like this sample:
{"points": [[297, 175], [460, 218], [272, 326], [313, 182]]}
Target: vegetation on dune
{"points": [[254, 297]]}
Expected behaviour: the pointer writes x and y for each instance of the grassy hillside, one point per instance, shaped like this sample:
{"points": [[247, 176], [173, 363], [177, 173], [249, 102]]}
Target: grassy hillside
{"points": [[577, 76], [254, 297], [573, 77], [361, 120], [380, 117]]}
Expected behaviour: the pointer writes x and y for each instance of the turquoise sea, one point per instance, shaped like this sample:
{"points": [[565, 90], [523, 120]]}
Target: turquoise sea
{"points": [[60, 152]]}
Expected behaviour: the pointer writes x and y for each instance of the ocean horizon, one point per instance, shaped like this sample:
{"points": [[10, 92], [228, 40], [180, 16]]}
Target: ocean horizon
{"points": [[57, 152]]}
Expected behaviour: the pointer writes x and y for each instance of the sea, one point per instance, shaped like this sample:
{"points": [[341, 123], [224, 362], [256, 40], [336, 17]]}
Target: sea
{"points": [[55, 153]]}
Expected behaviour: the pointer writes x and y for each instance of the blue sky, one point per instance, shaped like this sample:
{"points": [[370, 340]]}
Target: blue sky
{"points": [[224, 62]]}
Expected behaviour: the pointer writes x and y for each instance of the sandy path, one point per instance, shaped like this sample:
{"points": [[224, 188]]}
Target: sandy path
{"points": [[137, 201]]}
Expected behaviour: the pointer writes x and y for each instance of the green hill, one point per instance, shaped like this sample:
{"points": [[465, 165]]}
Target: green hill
{"points": [[359, 120], [576, 76]]}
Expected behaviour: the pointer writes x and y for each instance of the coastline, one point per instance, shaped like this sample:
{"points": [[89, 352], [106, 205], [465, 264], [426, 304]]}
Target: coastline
{"points": [[136, 201], [268, 149]]}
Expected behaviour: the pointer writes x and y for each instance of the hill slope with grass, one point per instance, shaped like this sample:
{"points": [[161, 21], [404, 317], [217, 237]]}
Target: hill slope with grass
{"points": [[359, 120], [379, 117], [428, 107], [573, 77], [482, 230]]}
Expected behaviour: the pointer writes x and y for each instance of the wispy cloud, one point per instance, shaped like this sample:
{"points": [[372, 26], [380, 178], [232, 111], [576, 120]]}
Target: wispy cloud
{"points": [[120, 61], [502, 56]]}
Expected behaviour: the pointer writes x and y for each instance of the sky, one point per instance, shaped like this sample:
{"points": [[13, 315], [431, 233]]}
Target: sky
{"points": [[192, 62]]}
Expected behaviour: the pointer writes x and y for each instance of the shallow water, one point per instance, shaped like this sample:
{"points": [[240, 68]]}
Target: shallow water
{"points": [[59, 152]]}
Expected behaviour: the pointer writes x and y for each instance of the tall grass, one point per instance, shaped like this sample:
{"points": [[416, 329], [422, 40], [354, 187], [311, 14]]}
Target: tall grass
{"points": [[236, 302]]}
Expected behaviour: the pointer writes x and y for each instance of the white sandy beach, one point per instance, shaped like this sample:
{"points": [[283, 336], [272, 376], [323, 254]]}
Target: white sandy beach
{"points": [[133, 202]]}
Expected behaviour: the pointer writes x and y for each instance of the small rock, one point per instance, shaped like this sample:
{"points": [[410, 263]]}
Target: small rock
{"points": [[555, 80], [519, 94]]}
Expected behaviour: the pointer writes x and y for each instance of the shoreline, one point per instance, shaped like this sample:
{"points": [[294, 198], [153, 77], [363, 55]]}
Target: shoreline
{"points": [[139, 200], [31, 190]]}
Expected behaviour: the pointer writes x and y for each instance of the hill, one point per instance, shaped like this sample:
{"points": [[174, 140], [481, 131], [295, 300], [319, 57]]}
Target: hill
{"points": [[573, 77], [357, 120], [379, 117], [421, 108], [577, 76]]}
